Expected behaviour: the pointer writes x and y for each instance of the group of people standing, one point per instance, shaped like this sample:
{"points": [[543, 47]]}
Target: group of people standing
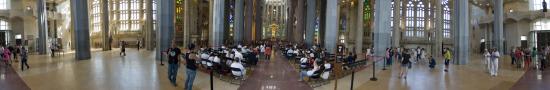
{"points": [[409, 56], [7, 53], [530, 58]]}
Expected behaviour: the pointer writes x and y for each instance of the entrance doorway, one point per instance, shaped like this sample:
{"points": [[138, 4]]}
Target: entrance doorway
{"points": [[543, 39]]}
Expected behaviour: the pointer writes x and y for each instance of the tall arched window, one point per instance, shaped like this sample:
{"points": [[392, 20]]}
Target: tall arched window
{"points": [[419, 19], [96, 16], [4, 4], [410, 19], [127, 14], [446, 19], [4, 25]]}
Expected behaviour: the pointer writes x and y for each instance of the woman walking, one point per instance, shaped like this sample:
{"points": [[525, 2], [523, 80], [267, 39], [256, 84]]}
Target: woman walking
{"points": [[405, 64]]}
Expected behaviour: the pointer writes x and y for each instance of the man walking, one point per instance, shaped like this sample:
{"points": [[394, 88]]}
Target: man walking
{"points": [[24, 58], [173, 63]]}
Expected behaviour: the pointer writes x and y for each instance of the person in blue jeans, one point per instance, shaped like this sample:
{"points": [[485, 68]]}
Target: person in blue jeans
{"points": [[173, 63], [24, 58], [190, 58]]}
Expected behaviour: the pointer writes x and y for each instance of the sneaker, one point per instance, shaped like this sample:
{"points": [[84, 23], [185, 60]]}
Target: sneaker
{"points": [[446, 70]]}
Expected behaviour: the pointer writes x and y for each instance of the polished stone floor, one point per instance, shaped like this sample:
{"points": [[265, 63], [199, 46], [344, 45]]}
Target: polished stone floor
{"points": [[138, 71], [275, 74]]}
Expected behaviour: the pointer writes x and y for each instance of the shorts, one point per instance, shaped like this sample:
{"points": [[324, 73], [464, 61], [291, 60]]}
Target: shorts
{"points": [[447, 62]]}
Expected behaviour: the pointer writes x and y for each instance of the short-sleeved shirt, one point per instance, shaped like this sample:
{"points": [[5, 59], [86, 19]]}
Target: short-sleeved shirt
{"points": [[173, 54]]}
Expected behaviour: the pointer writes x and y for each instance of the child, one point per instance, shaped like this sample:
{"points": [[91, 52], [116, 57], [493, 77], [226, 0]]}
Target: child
{"points": [[432, 63]]}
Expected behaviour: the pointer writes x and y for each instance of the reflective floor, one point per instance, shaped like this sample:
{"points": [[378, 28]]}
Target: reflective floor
{"points": [[138, 71]]}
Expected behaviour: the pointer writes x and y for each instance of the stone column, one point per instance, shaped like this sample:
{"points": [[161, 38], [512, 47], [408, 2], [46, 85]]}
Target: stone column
{"points": [[216, 22], [238, 26], [310, 21], [498, 25], [42, 20], [79, 12], [291, 4], [359, 27], [190, 21], [331, 34], [461, 34], [438, 40], [382, 27], [249, 13], [165, 33], [259, 6], [105, 23], [299, 14], [149, 39], [396, 23]]}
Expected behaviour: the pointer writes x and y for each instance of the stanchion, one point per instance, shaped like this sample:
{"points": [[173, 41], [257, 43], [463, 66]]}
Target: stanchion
{"points": [[211, 79], [373, 78], [352, 79]]}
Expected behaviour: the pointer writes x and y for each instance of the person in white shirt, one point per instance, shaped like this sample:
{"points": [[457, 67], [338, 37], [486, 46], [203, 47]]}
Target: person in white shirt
{"points": [[204, 58], [494, 62], [216, 59], [289, 53], [238, 56], [210, 60], [239, 66], [487, 60], [326, 73], [309, 72], [262, 49]]}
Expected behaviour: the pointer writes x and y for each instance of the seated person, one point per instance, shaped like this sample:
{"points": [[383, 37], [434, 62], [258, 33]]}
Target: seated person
{"points": [[204, 57], [238, 69], [289, 53], [309, 73], [238, 56], [210, 60], [327, 70]]}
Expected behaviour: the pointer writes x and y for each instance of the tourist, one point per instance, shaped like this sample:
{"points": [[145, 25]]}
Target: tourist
{"points": [[238, 64], [53, 47], [267, 52], [309, 73], [418, 54], [24, 58], [122, 48], [448, 57], [494, 62], [173, 63], [191, 71], [6, 55], [388, 56], [487, 61], [512, 54], [431, 63], [527, 60], [519, 57], [405, 64]]}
